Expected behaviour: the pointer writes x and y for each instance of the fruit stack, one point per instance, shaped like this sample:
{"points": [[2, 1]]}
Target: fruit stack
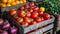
{"points": [[31, 16], [5, 3]]}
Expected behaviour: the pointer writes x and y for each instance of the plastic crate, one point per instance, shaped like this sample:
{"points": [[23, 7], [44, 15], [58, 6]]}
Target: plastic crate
{"points": [[40, 31], [20, 29]]}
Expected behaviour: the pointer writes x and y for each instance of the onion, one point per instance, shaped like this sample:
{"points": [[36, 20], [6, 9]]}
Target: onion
{"points": [[6, 26], [1, 21], [3, 32], [13, 30]]}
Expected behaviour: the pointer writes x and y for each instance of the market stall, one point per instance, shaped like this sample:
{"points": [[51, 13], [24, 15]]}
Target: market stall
{"points": [[26, 17]]}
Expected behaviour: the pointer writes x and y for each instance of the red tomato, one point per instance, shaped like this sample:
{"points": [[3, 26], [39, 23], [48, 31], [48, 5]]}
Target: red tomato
{"points": [[27, 20], [22, 14], [34, 14], [18, 11], [12, 12], [20, 20], [42, 18], [28, 14], [40, 13], [38, 19], [34, 22], [22, 8], [26, 24], [46, 16], [30, 10], [31, 7], [31, 21], [36, 8], [15, 16], [31, 4], [26, 6]]}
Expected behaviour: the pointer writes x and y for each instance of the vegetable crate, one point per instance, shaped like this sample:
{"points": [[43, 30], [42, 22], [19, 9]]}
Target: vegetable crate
{"points": [[35, 26], [45, 29], [32, 27], [20, 29]]}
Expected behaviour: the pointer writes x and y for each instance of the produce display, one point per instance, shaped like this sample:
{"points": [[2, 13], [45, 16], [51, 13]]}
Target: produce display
{"points": [[5, 3], [7, 28], [29, 14]]}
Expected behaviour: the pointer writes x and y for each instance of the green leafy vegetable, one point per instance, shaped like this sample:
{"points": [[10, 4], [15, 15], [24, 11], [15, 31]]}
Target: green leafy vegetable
{"points": [[52, 6]]}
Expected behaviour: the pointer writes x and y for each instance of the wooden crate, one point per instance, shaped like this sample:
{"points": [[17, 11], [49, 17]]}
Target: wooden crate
{"points": [[49, 32]]}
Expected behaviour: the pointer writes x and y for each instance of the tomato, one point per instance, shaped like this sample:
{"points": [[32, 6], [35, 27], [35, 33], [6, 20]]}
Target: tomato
{"points": [[18, 11], [26, 24], [36, 8], [31, 4], [20, 20], [34, 22], [46, 16], [34, 14], [22, 13], [22, 8], [28, 20], [26, 6], [38, 19], [40, 13], [31, 21], [42, 18], [30, 10], [15, 16], [28, 14], [12, 12]]}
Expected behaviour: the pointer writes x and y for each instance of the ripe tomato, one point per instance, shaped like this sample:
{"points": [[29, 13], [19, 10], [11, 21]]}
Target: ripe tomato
{"points": [[20, 20], [34, 22], [31, 21], [36, 8], [40, 13], [26, 6], [28, 20], [12, 12], [38, 19], [21, 14], [34, 14], [22, 8], [26, 24], [15, 16], [28, 14], [42, 18], [31, 4], [46, 16], [30, 10]]}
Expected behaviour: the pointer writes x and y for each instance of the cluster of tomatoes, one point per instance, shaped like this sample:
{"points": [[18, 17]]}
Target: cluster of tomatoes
{"points": [[29, 14]]}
